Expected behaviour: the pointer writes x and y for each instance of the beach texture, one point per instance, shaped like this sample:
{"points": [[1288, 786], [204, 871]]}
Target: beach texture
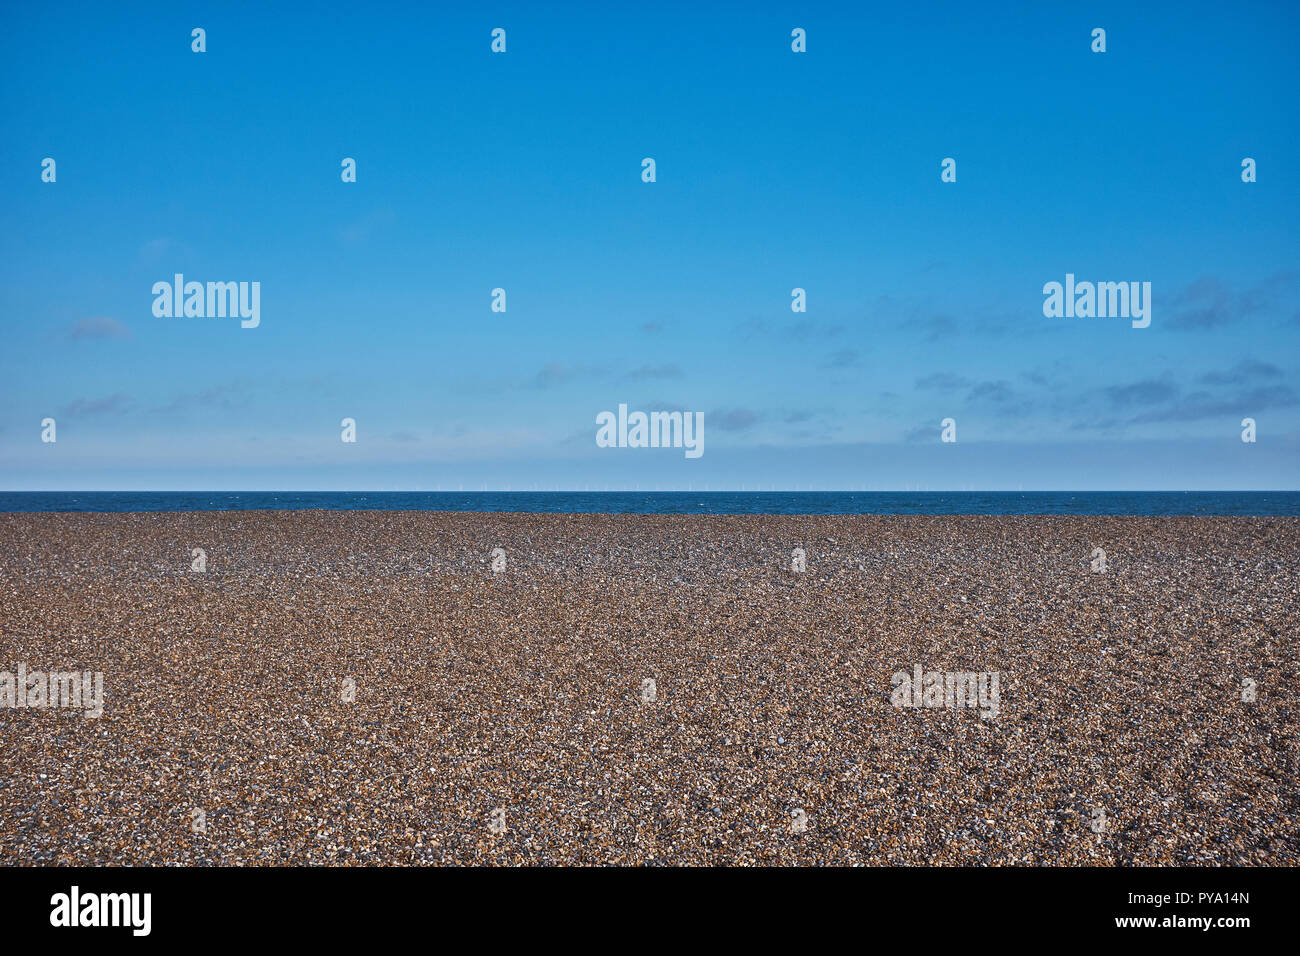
{"points": [[516, 700]]}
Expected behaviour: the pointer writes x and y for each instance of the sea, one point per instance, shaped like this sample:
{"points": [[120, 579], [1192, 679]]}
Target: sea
{"points": [[678, 502]]}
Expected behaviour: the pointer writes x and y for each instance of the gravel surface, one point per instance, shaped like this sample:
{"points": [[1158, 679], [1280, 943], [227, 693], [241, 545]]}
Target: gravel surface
{"points": [[505, 717]]}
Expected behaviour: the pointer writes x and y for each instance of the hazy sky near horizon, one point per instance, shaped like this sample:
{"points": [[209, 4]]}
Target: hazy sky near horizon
{"points": [[775, 170]]}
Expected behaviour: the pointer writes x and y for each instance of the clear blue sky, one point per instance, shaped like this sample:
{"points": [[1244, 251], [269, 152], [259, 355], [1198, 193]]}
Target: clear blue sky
{"points": [[775, 170]]}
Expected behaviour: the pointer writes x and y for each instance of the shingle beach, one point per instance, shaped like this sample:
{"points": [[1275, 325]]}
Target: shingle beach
{"points": [[518, 700]]}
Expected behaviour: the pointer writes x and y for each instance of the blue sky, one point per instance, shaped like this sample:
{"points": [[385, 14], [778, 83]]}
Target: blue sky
{"points": [[775, 170]]}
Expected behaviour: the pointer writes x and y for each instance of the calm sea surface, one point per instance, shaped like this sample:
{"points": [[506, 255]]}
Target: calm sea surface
{"points": [[679, 502]]}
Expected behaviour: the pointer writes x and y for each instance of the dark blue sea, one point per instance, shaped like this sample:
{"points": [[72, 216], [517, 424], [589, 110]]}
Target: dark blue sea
{"points": [[679, 502]]}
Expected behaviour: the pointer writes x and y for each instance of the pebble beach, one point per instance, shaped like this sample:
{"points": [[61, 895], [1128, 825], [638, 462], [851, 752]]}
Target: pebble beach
{"points": [[364, 687]]}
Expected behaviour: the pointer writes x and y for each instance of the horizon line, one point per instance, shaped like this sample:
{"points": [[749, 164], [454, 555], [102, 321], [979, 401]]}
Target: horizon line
{"points": [[647, 491]]}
